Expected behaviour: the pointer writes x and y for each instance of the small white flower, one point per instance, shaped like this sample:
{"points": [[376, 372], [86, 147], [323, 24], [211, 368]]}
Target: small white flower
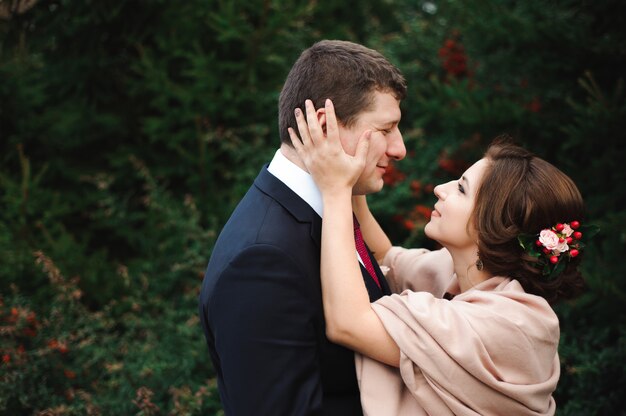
{"points": [[562, 247], [549, 239], [567, 230]]}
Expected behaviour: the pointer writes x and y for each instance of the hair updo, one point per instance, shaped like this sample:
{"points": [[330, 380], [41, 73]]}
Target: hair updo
{"points": [[523, 194]]}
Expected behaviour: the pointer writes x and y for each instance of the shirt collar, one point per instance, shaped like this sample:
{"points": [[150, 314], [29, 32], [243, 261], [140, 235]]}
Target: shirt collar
{"points": [[298, 180]]}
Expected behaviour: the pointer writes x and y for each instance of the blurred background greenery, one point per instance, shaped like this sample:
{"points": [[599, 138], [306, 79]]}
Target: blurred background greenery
{"points": [[130, 129]]}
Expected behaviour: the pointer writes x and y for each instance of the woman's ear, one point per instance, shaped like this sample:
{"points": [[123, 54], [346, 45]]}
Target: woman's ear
{"points": [[321, 118]]}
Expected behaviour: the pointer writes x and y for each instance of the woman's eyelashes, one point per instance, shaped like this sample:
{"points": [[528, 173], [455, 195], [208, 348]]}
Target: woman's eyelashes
{"points": [[461, 189]]}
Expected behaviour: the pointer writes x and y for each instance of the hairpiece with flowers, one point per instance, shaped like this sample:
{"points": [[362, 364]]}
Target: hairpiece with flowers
{"points": [[555, 247]]}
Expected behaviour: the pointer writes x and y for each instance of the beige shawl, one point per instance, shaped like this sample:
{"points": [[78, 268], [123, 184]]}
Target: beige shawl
{"points": [[489, 351]]}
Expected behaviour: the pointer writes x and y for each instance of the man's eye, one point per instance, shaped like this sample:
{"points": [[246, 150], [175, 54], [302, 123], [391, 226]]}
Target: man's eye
{"points": [[386, 131], [461, 189]]}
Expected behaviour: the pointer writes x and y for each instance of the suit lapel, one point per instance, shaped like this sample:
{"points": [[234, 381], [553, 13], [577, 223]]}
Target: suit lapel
{"points": [[302, 212], [296, 206], [373, 290]]}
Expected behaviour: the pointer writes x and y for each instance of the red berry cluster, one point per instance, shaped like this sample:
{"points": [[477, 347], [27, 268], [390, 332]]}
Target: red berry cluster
{"points": [[393, 175], [569, 237], [417, 217], [455, 167], [453, 58], [20, 325]]}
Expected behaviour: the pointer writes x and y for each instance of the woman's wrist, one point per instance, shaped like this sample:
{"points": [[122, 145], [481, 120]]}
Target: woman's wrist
{"points": [[337, 192], [337, 197]]}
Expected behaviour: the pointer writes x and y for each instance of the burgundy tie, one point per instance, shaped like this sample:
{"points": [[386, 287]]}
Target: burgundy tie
{"points": [[360, 248]]}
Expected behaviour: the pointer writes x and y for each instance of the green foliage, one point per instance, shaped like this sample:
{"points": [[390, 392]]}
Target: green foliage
{"points": [[71, 360], [129, 131]]}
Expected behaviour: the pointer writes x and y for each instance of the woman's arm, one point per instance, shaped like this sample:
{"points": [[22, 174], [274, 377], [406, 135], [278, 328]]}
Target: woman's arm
{"points": [[373, 234], [350, 319]]}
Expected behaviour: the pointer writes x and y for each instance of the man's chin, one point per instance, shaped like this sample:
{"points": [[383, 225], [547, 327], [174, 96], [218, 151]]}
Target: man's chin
{"points": [[366, 189]]}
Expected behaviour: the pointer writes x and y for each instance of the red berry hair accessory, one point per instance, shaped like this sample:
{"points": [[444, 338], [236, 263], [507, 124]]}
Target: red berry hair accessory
{"points": [[555, 247]]}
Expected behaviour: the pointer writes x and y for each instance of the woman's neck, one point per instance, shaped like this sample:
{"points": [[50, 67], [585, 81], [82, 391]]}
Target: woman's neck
{"points": [[467, 272]]}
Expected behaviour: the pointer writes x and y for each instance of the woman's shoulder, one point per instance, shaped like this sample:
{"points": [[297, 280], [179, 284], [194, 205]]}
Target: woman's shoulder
{"points": [[419, 269], [507, 291], [510, 306]]}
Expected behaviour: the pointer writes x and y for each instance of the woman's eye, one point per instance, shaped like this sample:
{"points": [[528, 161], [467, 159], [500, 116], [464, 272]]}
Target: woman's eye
{"points": [[461, 189]]}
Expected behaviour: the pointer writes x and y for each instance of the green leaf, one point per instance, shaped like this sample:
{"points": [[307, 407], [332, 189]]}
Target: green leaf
{"points": [[558, 268]]}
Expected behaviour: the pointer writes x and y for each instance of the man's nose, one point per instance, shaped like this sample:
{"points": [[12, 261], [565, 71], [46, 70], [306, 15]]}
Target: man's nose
{"points": [[395, 145]]}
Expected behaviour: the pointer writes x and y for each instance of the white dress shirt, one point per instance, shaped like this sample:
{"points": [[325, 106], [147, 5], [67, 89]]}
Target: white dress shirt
{"points": [[298, 180]]}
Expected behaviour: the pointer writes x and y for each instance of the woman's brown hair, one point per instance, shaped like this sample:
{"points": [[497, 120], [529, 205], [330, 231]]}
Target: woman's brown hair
{"points": [[523, 194]]}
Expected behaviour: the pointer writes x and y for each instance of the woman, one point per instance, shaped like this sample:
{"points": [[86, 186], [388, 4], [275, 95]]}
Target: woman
{"points": [[476, 333]]}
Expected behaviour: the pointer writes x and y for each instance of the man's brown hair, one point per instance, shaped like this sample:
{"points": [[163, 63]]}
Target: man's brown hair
{"points": [[523, 194], [345, 72]]}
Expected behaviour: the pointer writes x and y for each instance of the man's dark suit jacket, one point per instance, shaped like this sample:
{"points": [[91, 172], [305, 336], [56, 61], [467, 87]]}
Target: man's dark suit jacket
{"points": [[261, 311]]}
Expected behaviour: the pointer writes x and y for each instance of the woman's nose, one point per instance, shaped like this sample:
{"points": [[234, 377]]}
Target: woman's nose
{"points": [[441, 190], [438, 191]]}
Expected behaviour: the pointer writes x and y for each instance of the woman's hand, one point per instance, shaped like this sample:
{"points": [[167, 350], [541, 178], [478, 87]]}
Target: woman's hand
{"points": [[323, 155]]}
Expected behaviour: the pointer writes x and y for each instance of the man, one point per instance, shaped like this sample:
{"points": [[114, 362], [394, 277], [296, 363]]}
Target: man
{"points": [[260, 304]]}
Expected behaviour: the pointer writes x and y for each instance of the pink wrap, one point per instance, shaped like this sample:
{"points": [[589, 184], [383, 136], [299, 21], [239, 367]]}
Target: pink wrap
{"points": [[489, 351]]}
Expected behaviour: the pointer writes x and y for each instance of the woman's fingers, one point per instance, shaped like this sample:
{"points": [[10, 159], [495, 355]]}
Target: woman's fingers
{"points": [[315, 130], [310, 130], [295, 140], [303, 128], [321, 150], [332, 130], [362, 147]]}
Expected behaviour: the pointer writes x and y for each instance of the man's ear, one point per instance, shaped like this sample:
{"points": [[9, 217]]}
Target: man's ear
{"points": [[321, 118]]}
